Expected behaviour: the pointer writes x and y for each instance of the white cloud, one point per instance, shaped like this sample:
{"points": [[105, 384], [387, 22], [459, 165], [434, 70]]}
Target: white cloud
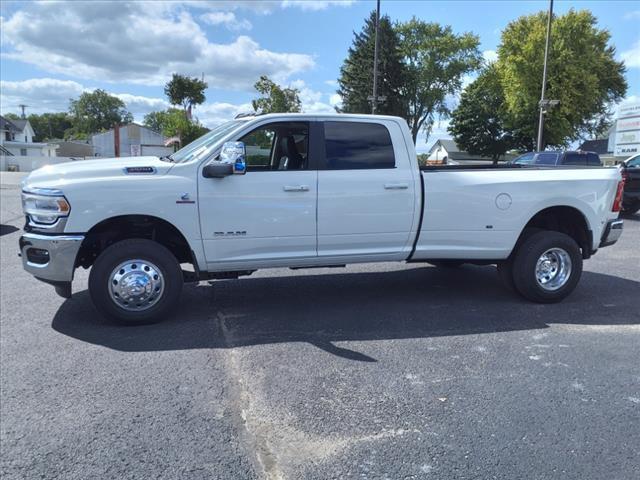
{"points": [[39, 94], [53, 95], [335, 100], [631, 57], [228, 19], [315, 5], [312, 100], [633, 15], [490, 55], [332, 83], [138, 43], [212, 114]]}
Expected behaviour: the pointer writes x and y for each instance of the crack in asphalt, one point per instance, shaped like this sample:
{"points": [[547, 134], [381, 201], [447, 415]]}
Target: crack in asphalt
{"points": [[250, 435]]}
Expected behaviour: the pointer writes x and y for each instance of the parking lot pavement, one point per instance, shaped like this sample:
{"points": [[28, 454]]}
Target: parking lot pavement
{"points": [[374, 371]]}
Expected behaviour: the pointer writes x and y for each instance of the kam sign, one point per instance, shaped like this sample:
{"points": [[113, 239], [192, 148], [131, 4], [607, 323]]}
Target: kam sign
{"points": [[628, 131]]}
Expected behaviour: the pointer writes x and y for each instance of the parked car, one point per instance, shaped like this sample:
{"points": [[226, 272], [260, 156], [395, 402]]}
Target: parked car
{"points": [[524, 159], [631, 175], [572, 158], [321, 190]]}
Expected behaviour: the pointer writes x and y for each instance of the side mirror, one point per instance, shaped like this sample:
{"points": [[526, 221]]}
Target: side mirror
{"points": [[235, 153], [231, 161], [217, 170]]}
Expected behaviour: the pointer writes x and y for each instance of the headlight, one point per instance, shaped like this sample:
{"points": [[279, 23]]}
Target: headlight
{"points": [[44, 205]]}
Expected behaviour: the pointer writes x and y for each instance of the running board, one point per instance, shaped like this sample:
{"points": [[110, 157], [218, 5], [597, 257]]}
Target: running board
{"points": [[317, 266]]}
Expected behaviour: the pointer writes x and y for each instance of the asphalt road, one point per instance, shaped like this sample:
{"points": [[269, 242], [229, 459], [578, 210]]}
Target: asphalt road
{"points": [[374, 371]]}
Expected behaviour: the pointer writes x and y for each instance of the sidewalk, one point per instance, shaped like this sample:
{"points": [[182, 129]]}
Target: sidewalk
{"points": [[12, 179]]}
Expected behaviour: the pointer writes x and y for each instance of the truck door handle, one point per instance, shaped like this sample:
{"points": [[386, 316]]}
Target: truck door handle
{"points": [[296, 188], [396, 186]]}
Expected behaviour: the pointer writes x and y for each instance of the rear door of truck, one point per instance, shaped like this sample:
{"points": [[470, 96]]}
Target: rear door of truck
{"points": [[368, 191]]}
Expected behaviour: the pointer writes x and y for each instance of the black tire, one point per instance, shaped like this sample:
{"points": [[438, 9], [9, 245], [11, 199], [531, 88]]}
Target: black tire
{"points": [[505, 273], [526, 258], [135, 249], [631, 209], [447, 263]]}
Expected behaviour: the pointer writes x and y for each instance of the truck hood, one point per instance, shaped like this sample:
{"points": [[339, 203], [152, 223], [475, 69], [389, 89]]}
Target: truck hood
{"points": [[58, 175]]}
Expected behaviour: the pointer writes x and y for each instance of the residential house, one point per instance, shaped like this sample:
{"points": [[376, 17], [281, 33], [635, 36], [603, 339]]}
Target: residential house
{"points": [[16, 139], [447, 150]]}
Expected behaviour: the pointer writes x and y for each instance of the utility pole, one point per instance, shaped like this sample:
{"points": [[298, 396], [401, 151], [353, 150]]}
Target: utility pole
{"points": [[543, 102], [22, 107], [374, 100]]}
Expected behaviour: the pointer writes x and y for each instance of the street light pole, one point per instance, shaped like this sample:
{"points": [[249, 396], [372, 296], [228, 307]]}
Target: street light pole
{"points": [[374, 102], [544, 79]]}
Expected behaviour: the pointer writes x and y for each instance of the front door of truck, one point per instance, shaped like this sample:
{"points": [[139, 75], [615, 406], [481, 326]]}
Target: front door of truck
{"points": [[266, 217]]}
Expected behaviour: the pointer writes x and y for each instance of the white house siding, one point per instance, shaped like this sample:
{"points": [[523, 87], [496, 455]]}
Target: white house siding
{"points": [[21, 149]]}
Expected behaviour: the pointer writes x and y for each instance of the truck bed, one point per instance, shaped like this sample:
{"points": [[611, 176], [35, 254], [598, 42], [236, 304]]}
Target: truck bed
{"points": [[478, 211]]}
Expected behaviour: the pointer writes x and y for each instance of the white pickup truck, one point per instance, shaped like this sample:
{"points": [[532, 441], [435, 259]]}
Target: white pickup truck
{"points": [[302, 191]]}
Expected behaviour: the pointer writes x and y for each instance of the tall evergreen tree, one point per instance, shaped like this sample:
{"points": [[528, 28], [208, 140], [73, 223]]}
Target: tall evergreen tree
{"points": [[356, 75]]}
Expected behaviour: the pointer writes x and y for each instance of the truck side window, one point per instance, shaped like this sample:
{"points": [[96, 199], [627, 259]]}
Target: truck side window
{"points": [[546, 158], [277, 146], [354, 145], [575, 159]]}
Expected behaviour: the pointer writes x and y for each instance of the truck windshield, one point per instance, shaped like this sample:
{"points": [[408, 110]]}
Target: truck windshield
{"points": [[203, 146]]}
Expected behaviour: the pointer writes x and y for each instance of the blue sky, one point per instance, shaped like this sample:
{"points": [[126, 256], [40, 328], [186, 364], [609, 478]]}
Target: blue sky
{"points": [[52, 51]]}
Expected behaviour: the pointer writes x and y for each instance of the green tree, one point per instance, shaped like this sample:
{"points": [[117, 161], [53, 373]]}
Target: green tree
{"points": [[582, 73], [436, 60], [275, 99], [186, 92], [478, 123], [48, 126], [156, 121], [95, 112], [356, 74], [172, 122]]}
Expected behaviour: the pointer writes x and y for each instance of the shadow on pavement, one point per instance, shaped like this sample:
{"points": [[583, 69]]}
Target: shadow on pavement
{"points": [[7, 229], [323, 309], [634, 217]]}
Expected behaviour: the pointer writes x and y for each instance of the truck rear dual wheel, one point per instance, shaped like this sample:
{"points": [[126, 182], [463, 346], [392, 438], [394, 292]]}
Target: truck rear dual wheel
{"points": [[546, 267], [135, 281]]}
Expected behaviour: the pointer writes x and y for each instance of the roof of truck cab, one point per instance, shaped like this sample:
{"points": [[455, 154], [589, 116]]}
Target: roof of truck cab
{"points": [[312, 116]]}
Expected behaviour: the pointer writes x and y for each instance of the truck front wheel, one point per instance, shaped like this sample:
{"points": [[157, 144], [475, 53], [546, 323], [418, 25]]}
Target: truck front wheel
{"points": [[547, 266], [135, 281]]}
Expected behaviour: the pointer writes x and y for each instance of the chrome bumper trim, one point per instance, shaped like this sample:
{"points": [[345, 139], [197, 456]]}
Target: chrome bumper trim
{"points": [[62, 250], [612, 233]]}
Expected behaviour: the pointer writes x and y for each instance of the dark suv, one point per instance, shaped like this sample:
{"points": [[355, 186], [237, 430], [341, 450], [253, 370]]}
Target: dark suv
{"points": [[578, 157], [631, 175]]}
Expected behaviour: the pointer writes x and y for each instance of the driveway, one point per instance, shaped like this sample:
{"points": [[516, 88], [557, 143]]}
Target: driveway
{"points": [[373, 371]]}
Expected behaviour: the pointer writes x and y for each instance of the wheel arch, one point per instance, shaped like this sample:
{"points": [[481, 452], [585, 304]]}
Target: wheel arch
{"points": [[123, 227], [561, 218]]}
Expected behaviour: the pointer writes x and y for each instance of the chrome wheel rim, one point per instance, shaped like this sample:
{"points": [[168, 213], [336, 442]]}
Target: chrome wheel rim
{"points": [[553, 269], [136, 285]]}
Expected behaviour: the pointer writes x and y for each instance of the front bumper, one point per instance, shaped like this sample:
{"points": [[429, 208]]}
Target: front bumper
{"points": [[51, 258], [611, 233]]}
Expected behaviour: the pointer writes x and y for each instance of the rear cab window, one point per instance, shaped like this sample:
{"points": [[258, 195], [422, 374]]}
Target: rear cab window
{"points": [[357, 146], [593, 159]]}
